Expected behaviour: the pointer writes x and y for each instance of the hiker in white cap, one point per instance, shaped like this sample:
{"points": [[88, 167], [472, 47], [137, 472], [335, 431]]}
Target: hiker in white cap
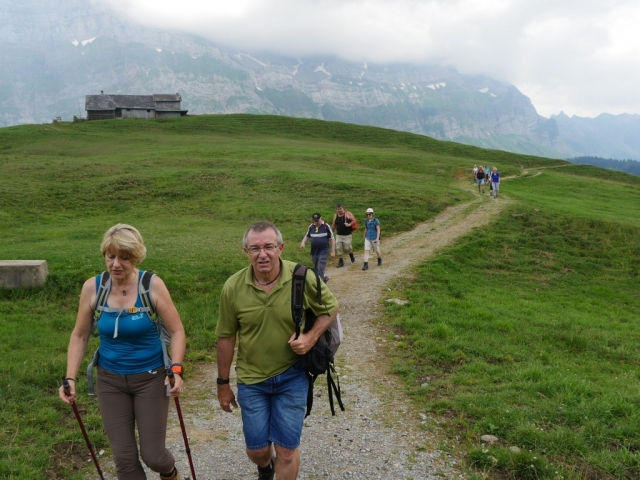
{"points": [[371, 238]]}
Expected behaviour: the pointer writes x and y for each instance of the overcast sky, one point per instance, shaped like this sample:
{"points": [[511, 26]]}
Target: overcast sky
{"points": [[577, 56]]}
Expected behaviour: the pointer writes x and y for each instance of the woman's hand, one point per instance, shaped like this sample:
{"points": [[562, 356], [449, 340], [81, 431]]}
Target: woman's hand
{"points": [[177, 385], [68, 397]]}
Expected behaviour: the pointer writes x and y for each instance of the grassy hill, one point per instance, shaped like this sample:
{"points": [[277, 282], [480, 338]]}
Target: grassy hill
{"points": [[525, 329]]}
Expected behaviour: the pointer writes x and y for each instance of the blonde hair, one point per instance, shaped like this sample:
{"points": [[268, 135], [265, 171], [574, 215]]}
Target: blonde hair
{"points": [[123, 238]]}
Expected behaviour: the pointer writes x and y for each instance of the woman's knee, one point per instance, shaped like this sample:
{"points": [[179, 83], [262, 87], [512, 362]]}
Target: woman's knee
{"points": [[158, 461]]}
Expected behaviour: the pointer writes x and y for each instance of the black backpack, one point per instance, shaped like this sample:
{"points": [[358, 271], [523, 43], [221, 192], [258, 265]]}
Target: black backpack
{"points": [[320, 359]]}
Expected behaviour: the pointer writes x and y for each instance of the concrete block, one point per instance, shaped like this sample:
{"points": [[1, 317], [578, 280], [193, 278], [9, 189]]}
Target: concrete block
{"points": [[23, 273]]}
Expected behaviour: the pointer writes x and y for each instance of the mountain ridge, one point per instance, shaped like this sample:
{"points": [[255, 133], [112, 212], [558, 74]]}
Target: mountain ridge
{"points": [[58, 52]]}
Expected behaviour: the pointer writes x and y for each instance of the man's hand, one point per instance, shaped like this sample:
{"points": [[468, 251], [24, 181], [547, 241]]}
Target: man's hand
{"points": [[303, 343], [226, 398]]}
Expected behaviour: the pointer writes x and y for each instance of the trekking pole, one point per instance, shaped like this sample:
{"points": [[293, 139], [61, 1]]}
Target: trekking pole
{"points": [[65, 385], [184, 431]]}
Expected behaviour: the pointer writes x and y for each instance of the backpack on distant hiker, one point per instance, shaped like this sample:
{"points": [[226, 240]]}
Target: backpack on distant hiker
{"points": [[144, 290], [320, 359], [347, 215], [354, 221]]}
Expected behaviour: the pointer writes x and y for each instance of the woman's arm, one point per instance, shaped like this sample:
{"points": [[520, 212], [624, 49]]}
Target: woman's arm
{"points": [[171, 320], [79, 338]]}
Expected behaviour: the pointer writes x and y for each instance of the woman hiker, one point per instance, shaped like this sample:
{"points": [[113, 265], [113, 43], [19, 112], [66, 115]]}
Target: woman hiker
{"points": [[132, 385]]}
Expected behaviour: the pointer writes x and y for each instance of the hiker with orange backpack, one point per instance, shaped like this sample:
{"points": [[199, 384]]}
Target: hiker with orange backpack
{"points": [[132, 384], [344, 224]]}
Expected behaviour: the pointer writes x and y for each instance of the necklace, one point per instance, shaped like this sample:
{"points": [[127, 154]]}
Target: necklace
{"points": [[265, 283], [124, 290]]}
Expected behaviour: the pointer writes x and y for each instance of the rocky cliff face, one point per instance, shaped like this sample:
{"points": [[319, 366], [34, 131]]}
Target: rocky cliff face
{"points": [[59, 51]]}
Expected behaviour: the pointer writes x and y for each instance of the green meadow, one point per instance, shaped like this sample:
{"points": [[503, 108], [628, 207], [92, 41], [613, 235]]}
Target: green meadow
{"points": [[525, 329]]}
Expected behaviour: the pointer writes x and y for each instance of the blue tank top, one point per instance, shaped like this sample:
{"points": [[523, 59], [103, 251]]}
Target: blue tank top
{"points": [[137, 347]]}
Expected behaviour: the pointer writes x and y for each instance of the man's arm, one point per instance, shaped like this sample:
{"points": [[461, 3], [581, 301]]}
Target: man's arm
{"points": [[226, 397], [306, 341]]}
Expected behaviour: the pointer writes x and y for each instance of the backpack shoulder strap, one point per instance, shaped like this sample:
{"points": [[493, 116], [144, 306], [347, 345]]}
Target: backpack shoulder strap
{"points": [[101, 299], [297, 296], [144, 290]]}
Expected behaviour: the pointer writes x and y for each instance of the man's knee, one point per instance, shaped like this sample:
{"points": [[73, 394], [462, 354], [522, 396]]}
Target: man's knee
{"points": [[285, 455], [260, 457]]}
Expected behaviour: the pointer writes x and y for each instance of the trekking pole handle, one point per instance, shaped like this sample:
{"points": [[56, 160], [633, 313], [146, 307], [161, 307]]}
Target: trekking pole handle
{"points": [[66, 386], [172, 379]]}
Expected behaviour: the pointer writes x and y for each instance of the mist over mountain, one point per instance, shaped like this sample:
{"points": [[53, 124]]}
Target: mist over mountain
{"points": [[57, 52]]}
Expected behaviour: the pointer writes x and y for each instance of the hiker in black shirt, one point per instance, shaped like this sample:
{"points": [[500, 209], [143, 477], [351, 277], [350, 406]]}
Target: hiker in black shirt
{"points": [[343, 226], [480, 179]]}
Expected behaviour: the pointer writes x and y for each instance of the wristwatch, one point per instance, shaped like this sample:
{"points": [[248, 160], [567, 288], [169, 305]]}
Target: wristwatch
{"points": [[222, 381]]}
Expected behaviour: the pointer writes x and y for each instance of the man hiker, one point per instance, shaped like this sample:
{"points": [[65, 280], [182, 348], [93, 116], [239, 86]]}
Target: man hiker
{"points": [[255, 309], [343, 226], [371, 238], [321, 238]]}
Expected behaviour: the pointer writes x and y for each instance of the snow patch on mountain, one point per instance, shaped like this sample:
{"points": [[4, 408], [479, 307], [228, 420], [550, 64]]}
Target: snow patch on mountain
{"points": [[322, 69], [246, 55]]}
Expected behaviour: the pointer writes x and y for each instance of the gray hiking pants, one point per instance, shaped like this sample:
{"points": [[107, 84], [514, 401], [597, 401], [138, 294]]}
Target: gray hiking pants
{"points": [[320, 263], [127, 400]]}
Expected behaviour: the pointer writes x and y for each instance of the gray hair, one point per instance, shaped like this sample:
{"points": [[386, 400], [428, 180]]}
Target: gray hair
{"points": [[261, 227]]}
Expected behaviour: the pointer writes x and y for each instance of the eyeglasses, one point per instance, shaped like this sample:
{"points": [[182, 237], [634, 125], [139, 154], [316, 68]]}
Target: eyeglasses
{"points": [[369, 213], [269, 248]]}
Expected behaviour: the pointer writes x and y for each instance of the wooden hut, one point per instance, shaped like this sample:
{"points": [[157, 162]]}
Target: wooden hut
{"points": [[158, 105]]}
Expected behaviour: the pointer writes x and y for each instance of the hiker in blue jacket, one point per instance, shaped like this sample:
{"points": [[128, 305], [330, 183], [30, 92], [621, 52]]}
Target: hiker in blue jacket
{"points": [[321, 239], [371, 238], [132, 385], [495, 182]]}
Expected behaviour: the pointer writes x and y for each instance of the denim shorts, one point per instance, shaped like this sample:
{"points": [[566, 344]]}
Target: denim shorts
{"points": [[273, 410]]}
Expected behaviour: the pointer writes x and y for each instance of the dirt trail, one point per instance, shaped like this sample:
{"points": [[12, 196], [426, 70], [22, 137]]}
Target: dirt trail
{"points": [[380, 435]]}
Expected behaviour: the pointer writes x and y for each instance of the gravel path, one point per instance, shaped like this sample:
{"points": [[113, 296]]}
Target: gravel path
{"points": [[381, 435]]}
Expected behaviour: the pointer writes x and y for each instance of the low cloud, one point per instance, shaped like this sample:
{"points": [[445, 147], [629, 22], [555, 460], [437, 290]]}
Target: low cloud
{"points": [[579, 57]]}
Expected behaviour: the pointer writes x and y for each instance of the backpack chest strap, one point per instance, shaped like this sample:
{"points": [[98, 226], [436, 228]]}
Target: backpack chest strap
{"points": [[123, 310]]}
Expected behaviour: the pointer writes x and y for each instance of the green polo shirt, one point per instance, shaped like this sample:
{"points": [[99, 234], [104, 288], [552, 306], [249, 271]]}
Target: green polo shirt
{"points": [[263, 323]]}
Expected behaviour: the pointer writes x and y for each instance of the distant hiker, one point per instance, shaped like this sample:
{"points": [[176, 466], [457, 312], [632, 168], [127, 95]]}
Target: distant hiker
{"points": [[475, 171], [371, 238], [132, 383], [255, 308], [480, 179], [495, 182], [343, 225], [321, 238]]}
